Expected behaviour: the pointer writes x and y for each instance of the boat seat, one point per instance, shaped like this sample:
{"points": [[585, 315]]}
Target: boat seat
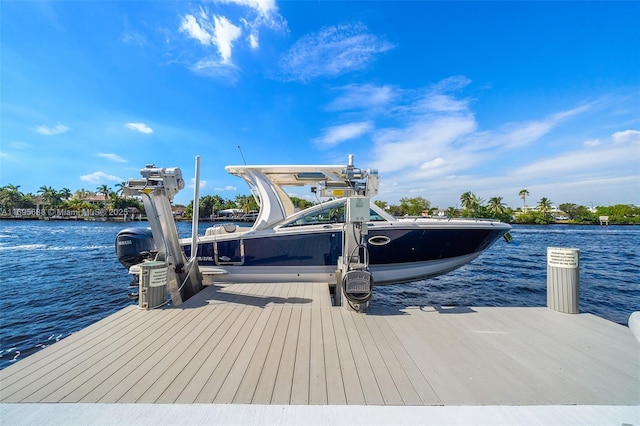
{"points": [[228, 228]]}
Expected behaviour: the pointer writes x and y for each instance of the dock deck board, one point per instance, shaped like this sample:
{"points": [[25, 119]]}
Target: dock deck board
{"points": [[285, 344]]}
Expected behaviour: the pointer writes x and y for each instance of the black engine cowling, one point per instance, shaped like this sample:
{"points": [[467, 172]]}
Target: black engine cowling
{"points": [[134, 245]]}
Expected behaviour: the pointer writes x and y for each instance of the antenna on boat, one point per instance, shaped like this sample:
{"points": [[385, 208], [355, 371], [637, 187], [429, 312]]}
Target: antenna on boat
{"points": [[242, 155]]}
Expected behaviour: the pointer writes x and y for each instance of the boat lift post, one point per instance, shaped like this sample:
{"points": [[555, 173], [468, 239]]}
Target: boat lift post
{"points": [[157, 188], [355, 286], [354, 283], [196, 211]]}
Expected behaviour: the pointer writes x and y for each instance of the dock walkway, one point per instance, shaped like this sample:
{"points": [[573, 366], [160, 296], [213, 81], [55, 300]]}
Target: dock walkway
{"points": [[284, 344]]}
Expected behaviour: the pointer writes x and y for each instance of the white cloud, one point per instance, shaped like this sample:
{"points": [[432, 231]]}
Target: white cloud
{"points": [[600, 157], [444, 103], [362, 97], [139, 127], [584, 161], [524, 133], [262, 7], [49, 131], [212, 67], [226, 188], [133, 37], [431, 145], [331, 52], [19, 145], [627, 136], [192, 183], [418, 142], [261, 13], [428, 142], [111, 157], [451, 84], [193, 29], [253, 41], [225, 33], [338, 134], [519, 134], [435, 163], [100, 177], [516, 135], [221, 32]]}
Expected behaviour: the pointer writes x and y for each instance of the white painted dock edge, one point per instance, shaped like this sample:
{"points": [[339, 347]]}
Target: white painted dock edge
{"points": [[271, 345], [234, 414]]}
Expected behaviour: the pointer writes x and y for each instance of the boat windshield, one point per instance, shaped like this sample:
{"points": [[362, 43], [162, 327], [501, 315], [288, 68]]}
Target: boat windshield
{"points": [[331, 213]]}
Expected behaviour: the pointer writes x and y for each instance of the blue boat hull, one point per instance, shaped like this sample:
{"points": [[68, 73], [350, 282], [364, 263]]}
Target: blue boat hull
{"points": [[404, 254]]}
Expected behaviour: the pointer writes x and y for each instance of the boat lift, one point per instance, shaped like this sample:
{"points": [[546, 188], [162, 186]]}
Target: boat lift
{"points": [[354, 284], [157, 188]]}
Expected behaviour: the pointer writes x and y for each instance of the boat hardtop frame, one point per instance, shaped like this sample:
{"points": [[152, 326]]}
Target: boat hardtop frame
{"points": [[267, 185], [276, 210]]}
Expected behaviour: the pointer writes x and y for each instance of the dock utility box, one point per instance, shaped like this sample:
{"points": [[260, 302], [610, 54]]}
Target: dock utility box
{"points": [[153, 284]]}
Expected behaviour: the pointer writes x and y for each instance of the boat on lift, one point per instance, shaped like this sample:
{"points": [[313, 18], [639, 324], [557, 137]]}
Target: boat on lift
{"points": [[285, 245]]}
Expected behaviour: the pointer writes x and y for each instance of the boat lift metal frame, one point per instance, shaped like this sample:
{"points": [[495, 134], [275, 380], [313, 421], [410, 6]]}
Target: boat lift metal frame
{"points": [[354, 283], [157, 188]]}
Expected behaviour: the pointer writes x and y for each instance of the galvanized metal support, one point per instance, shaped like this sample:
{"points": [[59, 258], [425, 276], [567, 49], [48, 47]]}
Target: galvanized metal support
{"points": [[157, 189], [355, 282]]}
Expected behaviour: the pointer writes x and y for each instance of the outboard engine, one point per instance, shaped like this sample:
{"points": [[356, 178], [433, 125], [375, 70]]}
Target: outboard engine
{"points": [[134, 245]]}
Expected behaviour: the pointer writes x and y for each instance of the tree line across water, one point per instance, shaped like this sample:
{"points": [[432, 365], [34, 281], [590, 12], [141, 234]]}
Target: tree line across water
{"points": [[543, 212]]}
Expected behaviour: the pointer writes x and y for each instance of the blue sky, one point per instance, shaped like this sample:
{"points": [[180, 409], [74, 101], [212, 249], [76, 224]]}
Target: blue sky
{"points": [[440, 97]]}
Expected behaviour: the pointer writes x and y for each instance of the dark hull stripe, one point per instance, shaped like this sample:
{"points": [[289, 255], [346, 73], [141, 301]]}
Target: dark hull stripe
{"points": [[405, 246]]}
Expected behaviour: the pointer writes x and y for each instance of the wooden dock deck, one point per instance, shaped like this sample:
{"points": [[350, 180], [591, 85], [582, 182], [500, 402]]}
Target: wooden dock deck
{"points": [[284, 344]]}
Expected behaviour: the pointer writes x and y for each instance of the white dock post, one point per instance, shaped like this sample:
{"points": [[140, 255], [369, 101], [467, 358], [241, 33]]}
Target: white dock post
{"points": [[563, 279]]}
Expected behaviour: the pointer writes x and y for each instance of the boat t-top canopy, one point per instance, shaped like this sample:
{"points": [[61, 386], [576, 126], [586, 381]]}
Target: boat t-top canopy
{"points": [[267, 182], [292, 175]]}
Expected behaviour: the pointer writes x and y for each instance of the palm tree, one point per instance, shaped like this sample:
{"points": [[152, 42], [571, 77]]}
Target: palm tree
{"points": [[104, 190], [495, 206], [466, 200], [65, 193], [218, 203], [14, 189], [544, 205], [452, 212], [120, 188], [10, 196], [83, 194], [78, 204], [524, 194], [246, 203], [49, 195], [471, 203]]}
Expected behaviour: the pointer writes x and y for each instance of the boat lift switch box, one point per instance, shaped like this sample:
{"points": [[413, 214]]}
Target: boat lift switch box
{"points": [[358, 209], [153, 284]]}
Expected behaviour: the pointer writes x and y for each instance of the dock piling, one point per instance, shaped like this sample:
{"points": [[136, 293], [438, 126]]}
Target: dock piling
{"points": [[563, 279]]}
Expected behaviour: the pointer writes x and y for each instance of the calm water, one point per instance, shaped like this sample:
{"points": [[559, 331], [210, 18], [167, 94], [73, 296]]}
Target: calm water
{"points": [[59, 277]]}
